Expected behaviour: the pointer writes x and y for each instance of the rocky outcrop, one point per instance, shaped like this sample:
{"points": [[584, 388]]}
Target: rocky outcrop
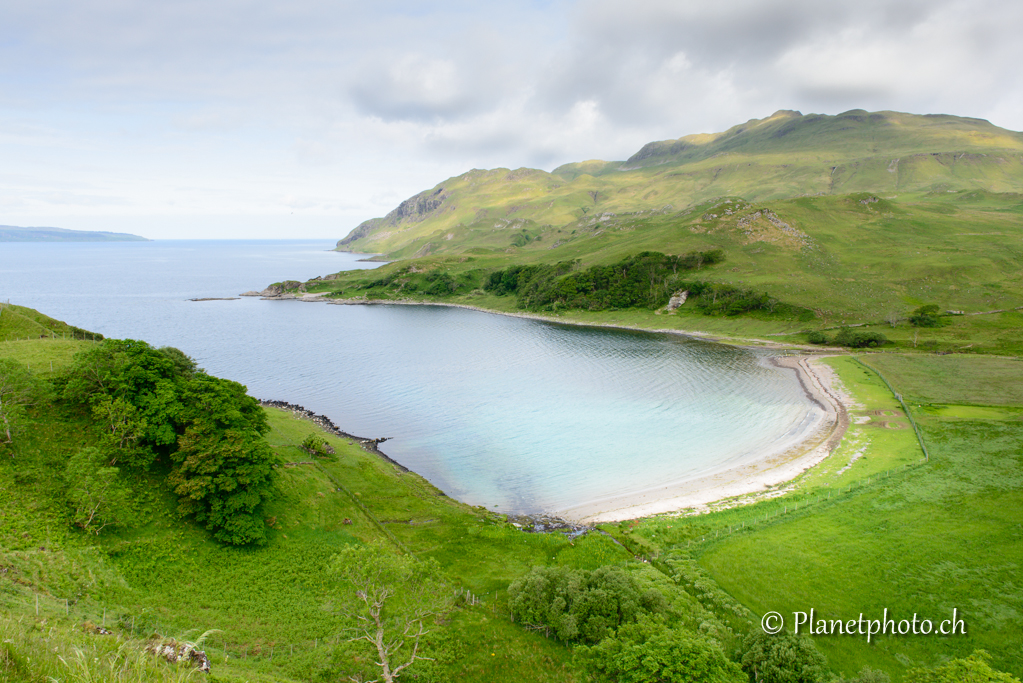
{"points": [[677, 299], [412, 210], [282, 290]]}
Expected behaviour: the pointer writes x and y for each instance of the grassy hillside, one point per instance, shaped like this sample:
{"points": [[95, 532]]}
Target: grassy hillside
{"points": [[849, 260], [859, 218], [784, 156]]}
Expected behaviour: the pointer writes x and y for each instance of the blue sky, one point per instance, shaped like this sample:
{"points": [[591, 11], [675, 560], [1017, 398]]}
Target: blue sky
{"points": [[191, 118]]}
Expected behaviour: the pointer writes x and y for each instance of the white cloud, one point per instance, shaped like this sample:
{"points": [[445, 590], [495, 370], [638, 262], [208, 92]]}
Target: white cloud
{"points": [[244, 108]]}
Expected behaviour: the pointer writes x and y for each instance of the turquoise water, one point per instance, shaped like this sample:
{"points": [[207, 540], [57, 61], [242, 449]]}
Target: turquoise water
{"points": [[514, 414]]}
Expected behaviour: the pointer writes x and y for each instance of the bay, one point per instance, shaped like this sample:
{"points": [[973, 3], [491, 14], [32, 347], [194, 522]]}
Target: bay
{"points": [[514, 414]]}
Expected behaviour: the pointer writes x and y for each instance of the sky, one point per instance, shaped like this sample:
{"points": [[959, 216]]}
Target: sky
{"points": [[246, 119]]}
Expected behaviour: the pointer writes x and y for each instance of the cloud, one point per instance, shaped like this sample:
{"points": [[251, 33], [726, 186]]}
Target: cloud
{"points": [[263, 101]]}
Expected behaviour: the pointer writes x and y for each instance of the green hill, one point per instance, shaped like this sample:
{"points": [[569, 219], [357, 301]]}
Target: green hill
{"points": [[784, 156], [10, 233], [857, 219]]}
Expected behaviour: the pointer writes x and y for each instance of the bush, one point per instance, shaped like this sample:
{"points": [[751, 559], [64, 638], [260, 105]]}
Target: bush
{"points": [[577, 605], [817, 338], [926, 316], [649, 651], [781, 659], [859, 339]]}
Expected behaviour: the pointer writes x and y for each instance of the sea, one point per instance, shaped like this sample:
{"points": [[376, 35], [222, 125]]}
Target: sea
{"points": [[517, 415]]}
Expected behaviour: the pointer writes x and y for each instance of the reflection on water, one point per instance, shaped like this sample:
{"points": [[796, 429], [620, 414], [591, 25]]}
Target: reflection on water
{"points": [[514, 414]]}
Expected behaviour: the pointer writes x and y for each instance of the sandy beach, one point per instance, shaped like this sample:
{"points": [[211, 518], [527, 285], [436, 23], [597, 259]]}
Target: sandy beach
{"points": [[752, 477]]}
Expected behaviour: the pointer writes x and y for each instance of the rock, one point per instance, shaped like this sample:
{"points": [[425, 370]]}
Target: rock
{"points": [[175, 652], [677, 299], [283, 290], [251, 293]]}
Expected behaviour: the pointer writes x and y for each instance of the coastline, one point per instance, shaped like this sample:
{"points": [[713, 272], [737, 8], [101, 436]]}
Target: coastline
{"points": [[695, 495], [746, 342]]}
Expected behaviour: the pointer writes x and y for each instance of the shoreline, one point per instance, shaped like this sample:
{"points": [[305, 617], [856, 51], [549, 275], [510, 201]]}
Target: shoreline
{"points": [[745, 342], [693, 495], [757, 476]]}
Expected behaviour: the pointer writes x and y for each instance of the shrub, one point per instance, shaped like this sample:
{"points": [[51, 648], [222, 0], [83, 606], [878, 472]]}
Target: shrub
{"points": [[926, 316], [577, 605], [817, 337], [781, 659], [649, 651], [859, 339]]}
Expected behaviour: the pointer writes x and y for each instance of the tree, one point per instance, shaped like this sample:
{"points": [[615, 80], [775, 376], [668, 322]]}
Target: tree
{"points": [[577, 605], [17, 385], [972, 669], [95, 491], [649, 652], [926, 316], [122, 428], [781, 659], [152, 404], [388, 600]]}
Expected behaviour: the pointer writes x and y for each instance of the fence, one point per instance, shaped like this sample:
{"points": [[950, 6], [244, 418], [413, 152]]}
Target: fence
{"points": [[905, 408]]}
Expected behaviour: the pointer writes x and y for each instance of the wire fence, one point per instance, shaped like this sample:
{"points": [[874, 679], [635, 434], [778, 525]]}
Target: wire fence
{"points": [[905, 408]]}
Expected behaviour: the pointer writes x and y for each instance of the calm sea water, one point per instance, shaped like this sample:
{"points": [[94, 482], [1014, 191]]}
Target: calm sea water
{"points": [[514, 414]]}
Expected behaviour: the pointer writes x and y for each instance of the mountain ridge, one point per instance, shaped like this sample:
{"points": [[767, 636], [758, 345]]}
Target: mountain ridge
{"points": [[785, 155]]}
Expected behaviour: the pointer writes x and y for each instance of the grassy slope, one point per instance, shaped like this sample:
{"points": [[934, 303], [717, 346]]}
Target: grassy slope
{"points": [[783, 156], [273, 605], [849, 259], [860, 217], [882, 530]]}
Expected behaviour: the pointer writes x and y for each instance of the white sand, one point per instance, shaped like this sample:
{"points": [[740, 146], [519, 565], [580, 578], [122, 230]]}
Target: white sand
{"points": [[776, 468]]}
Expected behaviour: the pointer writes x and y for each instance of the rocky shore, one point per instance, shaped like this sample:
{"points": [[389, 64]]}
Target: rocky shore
{"points": [[325, 423]]}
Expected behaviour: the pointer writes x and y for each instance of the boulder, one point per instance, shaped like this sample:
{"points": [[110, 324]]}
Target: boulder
{"points": [[677, 299]]}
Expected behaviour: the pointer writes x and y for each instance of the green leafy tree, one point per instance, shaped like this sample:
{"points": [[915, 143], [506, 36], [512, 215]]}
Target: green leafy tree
{"points": [[136, 373], [926, 316], [223, 469], [97, 495], [649, 652], [122, 428], [577, 605], [781, 659], [389, 601], [152, 404], [972, 669]]}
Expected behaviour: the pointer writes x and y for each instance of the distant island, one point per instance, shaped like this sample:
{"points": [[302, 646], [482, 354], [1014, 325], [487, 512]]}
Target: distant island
{"points": [[11, 233]]}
